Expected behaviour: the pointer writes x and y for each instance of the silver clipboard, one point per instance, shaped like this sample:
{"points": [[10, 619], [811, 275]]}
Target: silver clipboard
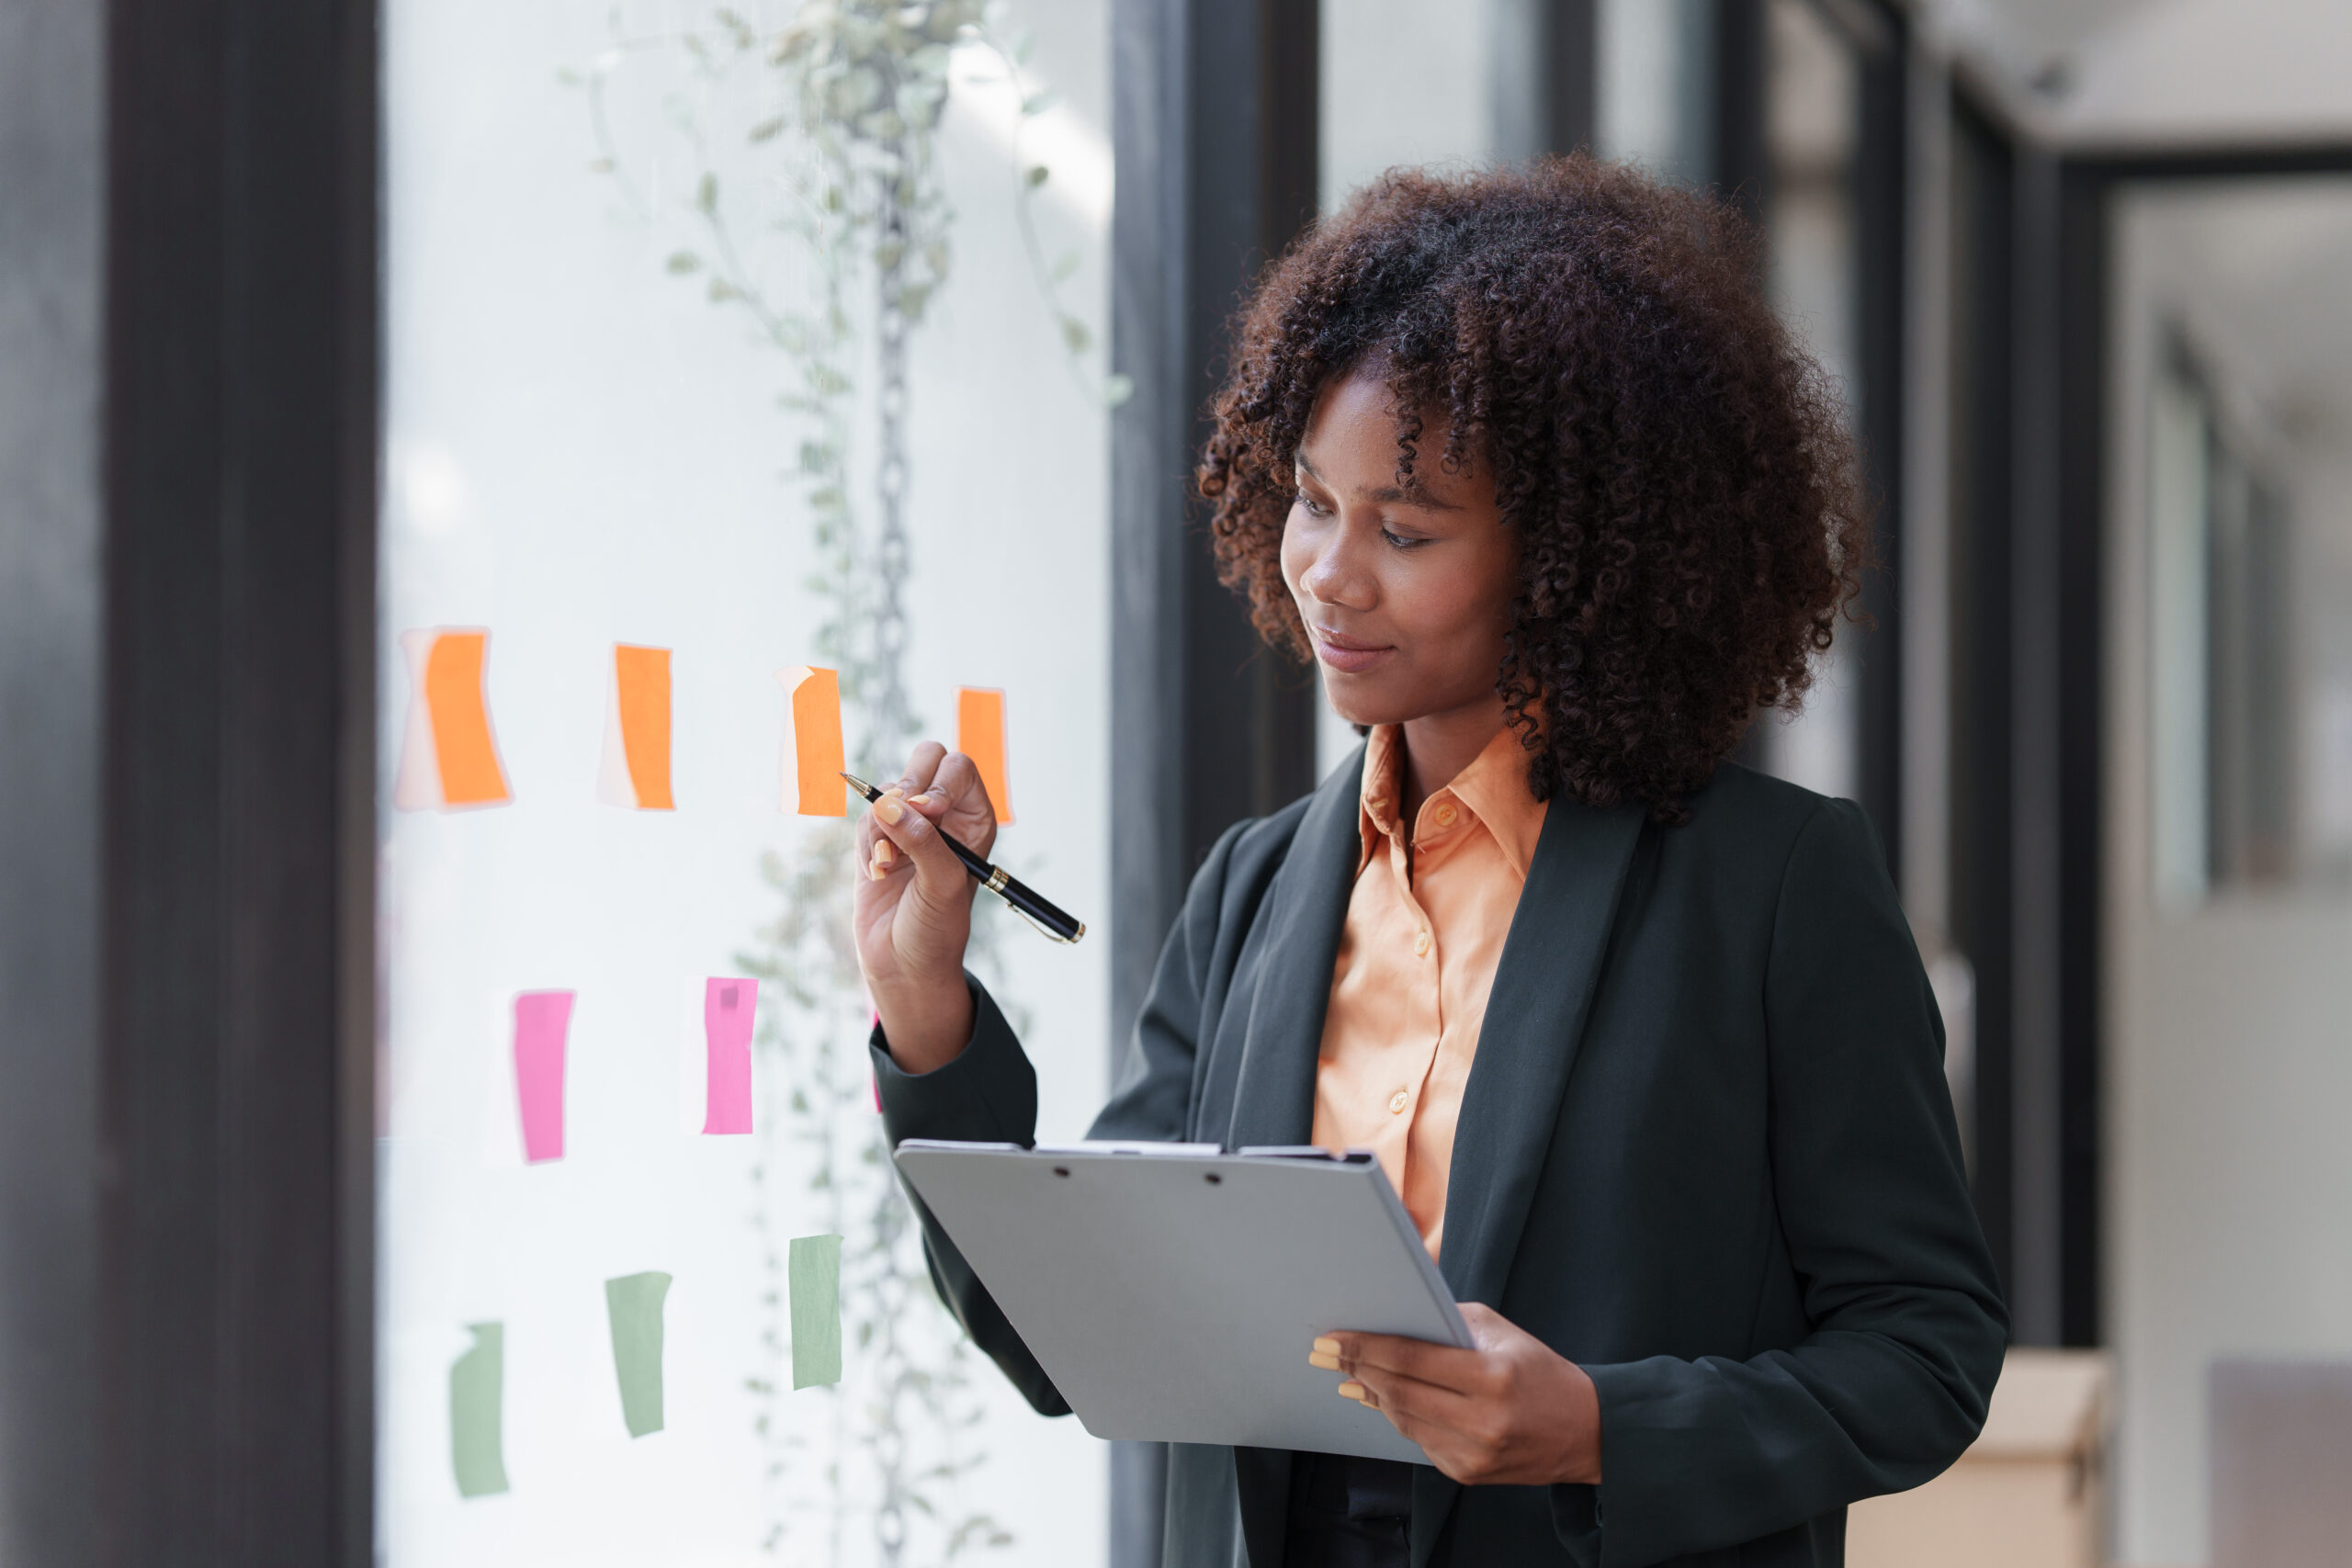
{"points": [[1172, 1292]]}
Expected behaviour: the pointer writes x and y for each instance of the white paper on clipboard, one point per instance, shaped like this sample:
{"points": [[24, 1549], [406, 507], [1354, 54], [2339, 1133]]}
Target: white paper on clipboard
{"points": [[1172, 1292]]}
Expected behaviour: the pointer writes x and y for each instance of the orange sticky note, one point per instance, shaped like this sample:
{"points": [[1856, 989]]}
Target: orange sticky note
{"points": [[449, 760], [813, 757], [979, 735], [635, 772]]}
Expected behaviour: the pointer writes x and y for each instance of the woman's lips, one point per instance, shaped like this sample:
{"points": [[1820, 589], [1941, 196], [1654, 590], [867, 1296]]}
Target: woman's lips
{"points": [[1350, 655]]}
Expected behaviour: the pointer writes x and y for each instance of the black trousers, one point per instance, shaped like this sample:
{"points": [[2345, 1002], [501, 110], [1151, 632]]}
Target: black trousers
{"points": [[1348, 1513]]}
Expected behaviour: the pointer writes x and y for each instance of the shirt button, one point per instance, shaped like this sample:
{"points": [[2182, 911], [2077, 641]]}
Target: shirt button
{"points": [[1421, 945], [1397, 1102], [1446, 816]]}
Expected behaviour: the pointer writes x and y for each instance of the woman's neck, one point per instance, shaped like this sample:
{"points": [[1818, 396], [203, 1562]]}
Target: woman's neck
{"points": [[1437, 746]]}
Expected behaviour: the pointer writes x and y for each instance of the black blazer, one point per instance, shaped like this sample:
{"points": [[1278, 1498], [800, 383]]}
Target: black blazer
{"points": [[1706, 1152]]}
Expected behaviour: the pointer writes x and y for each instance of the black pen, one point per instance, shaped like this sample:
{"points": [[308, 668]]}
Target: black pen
{"points": [[998, 881]]}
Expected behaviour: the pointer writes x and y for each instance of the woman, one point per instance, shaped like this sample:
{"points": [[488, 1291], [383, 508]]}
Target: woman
{"points": [[1640, 1036]]}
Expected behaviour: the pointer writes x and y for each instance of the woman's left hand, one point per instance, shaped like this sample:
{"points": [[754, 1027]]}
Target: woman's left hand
{"points": [[1512, 1412]]}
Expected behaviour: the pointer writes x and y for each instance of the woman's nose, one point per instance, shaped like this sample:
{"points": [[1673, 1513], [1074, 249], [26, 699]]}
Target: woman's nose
{"points": [[1331, 578]]}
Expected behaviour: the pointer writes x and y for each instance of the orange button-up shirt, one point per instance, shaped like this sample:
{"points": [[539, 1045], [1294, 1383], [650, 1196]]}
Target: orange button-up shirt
{"points": [[1425, 929]]}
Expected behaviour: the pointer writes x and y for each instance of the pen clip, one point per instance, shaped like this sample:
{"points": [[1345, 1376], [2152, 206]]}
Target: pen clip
{"points": [[1041, 928]]}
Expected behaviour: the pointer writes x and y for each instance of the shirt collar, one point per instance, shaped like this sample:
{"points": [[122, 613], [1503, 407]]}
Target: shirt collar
{"points": [[1493, 789]]}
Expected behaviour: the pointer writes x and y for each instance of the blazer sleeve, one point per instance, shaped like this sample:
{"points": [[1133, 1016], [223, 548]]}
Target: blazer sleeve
{"points": [[988, 1094], [1907, 1327]]}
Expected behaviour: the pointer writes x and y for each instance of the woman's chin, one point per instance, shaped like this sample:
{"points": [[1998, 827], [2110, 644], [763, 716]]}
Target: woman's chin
{"points": [[1357, 700]]}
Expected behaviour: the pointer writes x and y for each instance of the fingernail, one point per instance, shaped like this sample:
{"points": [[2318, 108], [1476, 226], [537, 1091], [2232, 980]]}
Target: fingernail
{"points": [[1352, 1391], [885, 852], [1326, 1344], [1329, 1363], [890, 810], [926, 799]]}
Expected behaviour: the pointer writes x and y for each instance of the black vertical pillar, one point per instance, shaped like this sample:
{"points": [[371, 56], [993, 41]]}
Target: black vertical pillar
{"points": [[2083, 273], [1882, 225], [1214, 116], [2036, 627], [236, 1039], [1214, 135], [1246, 719], [1740, 154], [1982, 487]]}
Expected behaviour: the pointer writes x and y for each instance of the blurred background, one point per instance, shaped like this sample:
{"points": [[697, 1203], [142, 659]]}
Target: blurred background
{"points": [[875, 337]]}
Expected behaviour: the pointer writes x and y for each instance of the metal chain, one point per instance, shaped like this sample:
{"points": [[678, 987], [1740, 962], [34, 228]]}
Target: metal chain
{"points": [[891, 719]]}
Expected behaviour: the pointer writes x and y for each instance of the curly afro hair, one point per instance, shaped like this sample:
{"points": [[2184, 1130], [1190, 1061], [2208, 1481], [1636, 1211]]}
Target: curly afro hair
{"points": [[1678, 471]]}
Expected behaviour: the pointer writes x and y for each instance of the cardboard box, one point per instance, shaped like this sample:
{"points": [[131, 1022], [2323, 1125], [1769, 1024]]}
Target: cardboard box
{"points": [[2026, 1495]]}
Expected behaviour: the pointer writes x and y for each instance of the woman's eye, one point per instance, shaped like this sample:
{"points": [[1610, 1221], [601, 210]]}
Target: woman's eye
{"points": [[1306, 503], [1398, 541]]}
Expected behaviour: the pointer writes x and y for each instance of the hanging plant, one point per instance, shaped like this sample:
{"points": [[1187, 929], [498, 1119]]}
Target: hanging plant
{"points": [[824, 133]]}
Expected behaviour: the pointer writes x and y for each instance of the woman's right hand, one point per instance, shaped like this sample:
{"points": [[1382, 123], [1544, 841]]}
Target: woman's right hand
{"points": [[912, 911]]}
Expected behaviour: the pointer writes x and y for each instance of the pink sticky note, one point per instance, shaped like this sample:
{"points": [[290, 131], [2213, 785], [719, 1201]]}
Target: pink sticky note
{"points": [[542, 1019], [727, 1009]]}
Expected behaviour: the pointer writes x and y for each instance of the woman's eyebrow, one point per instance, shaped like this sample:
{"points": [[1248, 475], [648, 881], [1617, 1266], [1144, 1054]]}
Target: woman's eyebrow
{"points": [[1387, 495]]}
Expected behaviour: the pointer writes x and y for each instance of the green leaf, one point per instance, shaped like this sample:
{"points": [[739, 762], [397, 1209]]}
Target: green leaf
{"points": [[722, 291], [1118, 390], [1038, 103], [682, 262], [1075, 335], [1037, 175], [568, 77], [768, 129], [1067, 267], [706, 195]]}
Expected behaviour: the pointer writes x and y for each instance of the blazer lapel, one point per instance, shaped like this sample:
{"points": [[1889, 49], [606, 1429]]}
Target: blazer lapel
{"points": [[1535, 1019], [1273, 1100]]}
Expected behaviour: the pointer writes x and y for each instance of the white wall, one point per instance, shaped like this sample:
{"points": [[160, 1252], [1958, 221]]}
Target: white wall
{"points": [[581, 450]]}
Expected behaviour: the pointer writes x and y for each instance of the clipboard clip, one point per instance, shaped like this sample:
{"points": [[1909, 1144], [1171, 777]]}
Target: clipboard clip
{"points": [[1304, 1151]]}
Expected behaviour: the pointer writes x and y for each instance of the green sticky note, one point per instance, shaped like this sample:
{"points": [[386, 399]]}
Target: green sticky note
{"points": [[815, 1283], [477, 1392], [634, 1302]]}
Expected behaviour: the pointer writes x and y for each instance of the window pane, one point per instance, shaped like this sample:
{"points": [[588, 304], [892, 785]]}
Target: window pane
{"points": [[2247, 441], [719, 349]]}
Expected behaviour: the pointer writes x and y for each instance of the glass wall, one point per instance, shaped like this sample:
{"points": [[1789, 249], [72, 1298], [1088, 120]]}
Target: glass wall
{"points": [[1811, 113], [723, 348], [1654, 87], [1405, 85]]}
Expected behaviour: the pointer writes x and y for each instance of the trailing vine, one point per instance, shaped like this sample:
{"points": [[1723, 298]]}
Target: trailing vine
{"points": [[822, 134]]}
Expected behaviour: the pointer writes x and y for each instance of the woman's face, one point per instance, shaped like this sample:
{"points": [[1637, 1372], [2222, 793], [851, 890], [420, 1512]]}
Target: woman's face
{"points": [[1406, 590]]}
